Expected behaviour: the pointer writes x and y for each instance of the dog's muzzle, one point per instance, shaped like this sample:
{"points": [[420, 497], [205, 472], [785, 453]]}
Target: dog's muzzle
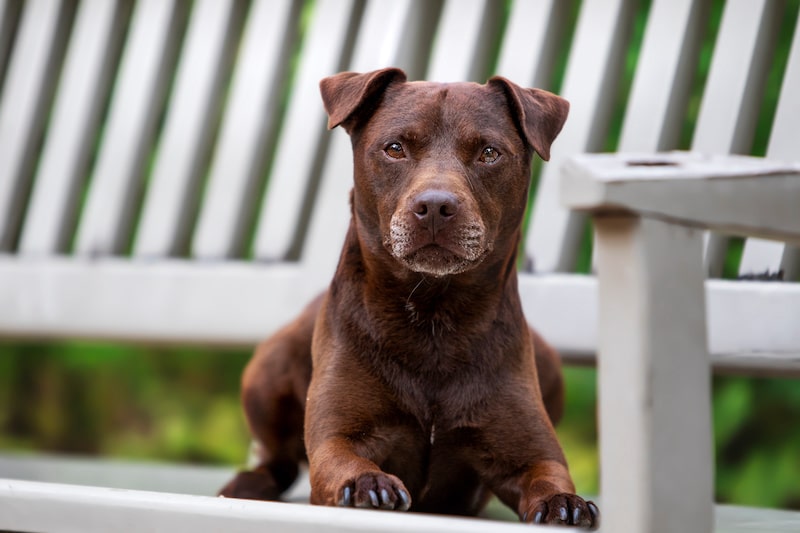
{"points": [[435, 233]]}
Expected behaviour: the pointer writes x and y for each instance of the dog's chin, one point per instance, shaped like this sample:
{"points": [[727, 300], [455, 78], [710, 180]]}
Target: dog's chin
{"points": [[440, 262]]}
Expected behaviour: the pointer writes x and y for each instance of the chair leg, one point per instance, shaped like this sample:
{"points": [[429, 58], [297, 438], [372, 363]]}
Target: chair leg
{"points": [[654, 378]]}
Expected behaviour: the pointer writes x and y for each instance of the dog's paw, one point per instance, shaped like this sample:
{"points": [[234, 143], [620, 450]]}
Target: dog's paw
{"points": [[564, 509], [251, 485], [375, 491]]}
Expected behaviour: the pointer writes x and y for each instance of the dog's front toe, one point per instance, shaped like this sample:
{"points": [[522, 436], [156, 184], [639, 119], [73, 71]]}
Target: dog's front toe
{"points": [[565, 510], [375, 491]]}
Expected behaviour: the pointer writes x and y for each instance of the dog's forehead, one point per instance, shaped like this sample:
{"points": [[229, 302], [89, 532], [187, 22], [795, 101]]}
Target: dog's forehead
{"points": [[449, 104]]}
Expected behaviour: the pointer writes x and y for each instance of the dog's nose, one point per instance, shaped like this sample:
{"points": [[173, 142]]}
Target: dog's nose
{"points": [[433, 208]]}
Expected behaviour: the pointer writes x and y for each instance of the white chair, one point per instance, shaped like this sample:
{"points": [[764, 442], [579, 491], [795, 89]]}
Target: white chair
{"points": [[166, 176]]}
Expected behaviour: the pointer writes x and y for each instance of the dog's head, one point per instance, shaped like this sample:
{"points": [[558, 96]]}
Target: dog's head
{"points": [[442, 171]]}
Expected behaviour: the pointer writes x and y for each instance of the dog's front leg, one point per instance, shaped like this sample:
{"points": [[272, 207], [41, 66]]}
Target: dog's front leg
{"points": [[341, 477], [547, 497], [351, 427]]}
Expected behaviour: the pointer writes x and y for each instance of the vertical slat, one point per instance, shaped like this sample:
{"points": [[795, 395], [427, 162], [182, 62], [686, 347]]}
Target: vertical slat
{"points": [[737, 77], [736, 81], [528, 49], [379, 43], [302, 142], [465, 37], [760, 255], [188, 128], [664, 71], [9, 13], [248, 126], [76, 112], [590, 84], [137, 100], [654, 378], [28, 87]]}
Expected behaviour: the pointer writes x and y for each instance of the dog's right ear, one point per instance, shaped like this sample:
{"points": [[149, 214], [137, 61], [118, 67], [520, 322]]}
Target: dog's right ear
{"points": [[346, 93]]}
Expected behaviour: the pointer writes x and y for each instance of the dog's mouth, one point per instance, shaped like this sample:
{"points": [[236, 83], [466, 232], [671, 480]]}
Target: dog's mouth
{"points": [[446, 253]]}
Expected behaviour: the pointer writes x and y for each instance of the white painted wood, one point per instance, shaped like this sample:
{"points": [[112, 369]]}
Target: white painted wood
{"points": [[73, 508], [76, 112], [117, 508], [130, 127], [237, 303], [26, 89], [590, 83], [167, 301], [760, 255], [664, 71], [248, 127], [723, 193], [463, 41], [733, 92], [655, 445], [528, 49], [408, 40], [173, 187], [377, 44], [198, 480], [9, 11], [302, 144], [737, 74]]}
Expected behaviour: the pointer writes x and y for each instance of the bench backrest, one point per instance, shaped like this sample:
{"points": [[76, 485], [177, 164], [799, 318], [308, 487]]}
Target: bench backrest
{"points": [[158, 129]]}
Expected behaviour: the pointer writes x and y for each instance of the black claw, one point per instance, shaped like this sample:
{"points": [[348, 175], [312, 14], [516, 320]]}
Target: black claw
{"points": [[563, 515], [347, 498], [405, 499], [593, 509], [373, 497], [538, 518], [385, 497], [525, 516], [576, 516]]}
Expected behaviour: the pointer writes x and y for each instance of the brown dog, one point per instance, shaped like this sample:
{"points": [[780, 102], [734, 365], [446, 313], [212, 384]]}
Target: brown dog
{"points": [[427, 389]]}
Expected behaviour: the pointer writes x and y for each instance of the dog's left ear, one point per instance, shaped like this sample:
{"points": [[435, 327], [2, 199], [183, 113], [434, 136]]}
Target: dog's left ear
{"points": [[346, 93], [540, 114]]}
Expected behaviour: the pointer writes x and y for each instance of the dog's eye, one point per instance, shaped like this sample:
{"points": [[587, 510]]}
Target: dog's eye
{"points": [[395, 151], [489, 155]]}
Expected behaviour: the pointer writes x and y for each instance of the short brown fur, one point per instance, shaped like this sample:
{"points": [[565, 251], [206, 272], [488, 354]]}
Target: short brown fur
{"points": [[414, 382]]}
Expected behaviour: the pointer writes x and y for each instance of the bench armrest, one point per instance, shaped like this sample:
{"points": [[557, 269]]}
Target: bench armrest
{"points": [[732, 194]]}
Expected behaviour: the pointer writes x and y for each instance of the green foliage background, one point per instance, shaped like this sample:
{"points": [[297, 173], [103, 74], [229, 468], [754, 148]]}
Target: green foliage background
{"points": [[182, 403]]}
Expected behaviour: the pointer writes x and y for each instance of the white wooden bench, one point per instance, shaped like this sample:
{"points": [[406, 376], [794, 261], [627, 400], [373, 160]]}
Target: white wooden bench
{"points": [[166, 176]]}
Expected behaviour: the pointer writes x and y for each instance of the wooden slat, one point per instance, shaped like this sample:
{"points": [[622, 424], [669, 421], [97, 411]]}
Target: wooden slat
{"points": [[137, 100], [737, 77], [528, 49], [465, 37], [27, 90], [9, 15], [656, 445], [249, 125], [76, 113], [166, 301], [303, 141], [235, 303], [89, 509], [407, 44], [590, 84], [733, 92], [379, 43], [664, 72], [186, 137], [78, 509], [761, 255], [721, 193]]}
